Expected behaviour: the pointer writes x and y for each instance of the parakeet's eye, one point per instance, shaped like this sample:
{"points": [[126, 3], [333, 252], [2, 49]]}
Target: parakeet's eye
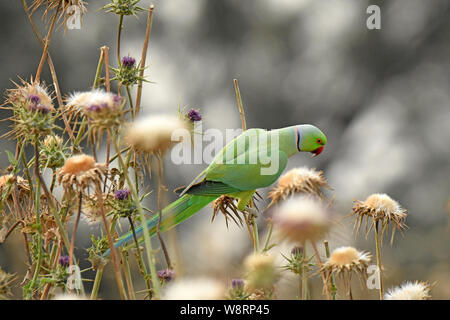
{"points": [[319, 141]]}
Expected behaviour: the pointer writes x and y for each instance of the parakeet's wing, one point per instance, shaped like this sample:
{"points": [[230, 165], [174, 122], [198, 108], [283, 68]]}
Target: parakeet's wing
{"points": [[249, 167]]}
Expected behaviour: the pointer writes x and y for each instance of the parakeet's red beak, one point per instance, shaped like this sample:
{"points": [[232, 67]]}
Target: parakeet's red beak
{"points": [[317, 151]]}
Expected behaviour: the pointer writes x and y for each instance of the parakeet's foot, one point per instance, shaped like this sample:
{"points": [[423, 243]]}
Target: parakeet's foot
{"points": [[244, 198]]}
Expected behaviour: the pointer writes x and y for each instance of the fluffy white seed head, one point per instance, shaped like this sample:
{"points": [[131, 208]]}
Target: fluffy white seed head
{"points": [[195, 289], [302, 218], [155, 134], [410, 291]]}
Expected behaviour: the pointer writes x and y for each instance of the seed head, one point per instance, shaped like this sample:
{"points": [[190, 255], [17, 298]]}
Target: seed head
{"points": [[380, 209], [261, 272], [94, 104], [91, 209], [153, 135], [410, 291], [33, 111], [81, 170], [195, 289], [347, 259], [30, 96], [302, 218], [298, 180]]}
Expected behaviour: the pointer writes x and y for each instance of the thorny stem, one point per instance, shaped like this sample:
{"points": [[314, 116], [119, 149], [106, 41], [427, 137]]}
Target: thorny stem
{"points": [[269, 234], [98, 72], [130, 100], [333, 288], [147, 241], [319, 263], [304, 274], [39, 227], [119, 32], [46, 45], [160, 189], [378, 249], [49, 196], [349, 291], [97, 281], [141, 264], [240, 105], [75, 227], [105, 51], [127, 272], [111, 243], [143, 58]]}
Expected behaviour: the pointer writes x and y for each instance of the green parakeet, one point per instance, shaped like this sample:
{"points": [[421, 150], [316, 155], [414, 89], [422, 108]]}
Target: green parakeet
{"points": [[255, 159]]}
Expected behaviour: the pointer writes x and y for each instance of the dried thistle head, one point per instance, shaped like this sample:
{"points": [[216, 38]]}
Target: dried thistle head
{"points": [[104, 110], [260, 271], [379, 209], [410, 291], [298, 180], [344, 261], [33, 110], [91, 209], [82, 171], [7, 183], [154, 135], [48, 226], [302, 218], [227, 206], [6, 279], [195, 289], [67, 10]]}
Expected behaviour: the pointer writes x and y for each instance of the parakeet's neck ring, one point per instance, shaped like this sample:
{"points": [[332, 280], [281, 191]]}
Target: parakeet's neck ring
{"points": [[298, 138]]}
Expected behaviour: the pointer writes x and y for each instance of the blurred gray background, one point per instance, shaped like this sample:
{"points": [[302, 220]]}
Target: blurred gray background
{"points": [[381, 96]]}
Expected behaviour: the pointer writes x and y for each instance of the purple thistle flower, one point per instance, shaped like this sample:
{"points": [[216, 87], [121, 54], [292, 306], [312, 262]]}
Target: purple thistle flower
{"points": [[194, 115], [116, 98], [122, 194], [237, 284], [64, 261], [34, 99], [166, 274], [297, 251], [94, 108], [128, 62]]}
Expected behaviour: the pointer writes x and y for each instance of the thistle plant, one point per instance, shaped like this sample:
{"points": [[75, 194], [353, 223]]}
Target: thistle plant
{"points": [[55, 181], [380, 212]]}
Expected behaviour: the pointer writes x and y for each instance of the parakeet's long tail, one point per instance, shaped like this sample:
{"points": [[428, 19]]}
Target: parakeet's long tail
{"points": [[173, 214]]}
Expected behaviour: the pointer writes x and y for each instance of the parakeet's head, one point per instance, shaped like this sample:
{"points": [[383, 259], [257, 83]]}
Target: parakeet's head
{"points": [[310, 139]]}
